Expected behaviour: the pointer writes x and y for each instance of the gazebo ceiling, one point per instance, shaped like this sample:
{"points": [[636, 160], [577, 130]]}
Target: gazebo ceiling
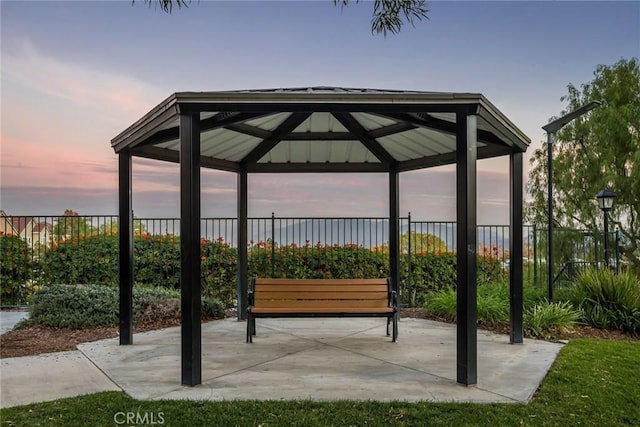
{"points": [[321, 129]]}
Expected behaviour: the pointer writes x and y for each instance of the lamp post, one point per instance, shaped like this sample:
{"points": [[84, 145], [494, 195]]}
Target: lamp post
{"points": [[550, 128], [605, 201]]}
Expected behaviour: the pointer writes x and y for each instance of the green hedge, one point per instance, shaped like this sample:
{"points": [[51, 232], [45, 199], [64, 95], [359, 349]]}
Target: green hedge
{"points": [[157, 263], [82, 306], [15, 270]]}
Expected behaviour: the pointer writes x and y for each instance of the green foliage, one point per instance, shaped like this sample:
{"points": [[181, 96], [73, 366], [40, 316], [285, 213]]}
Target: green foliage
{"points": [[595, 152], [609, 300], [15, 270], [213, 308], [430, 272], [219, 269], [92, 259], [540, 318], [316, 262], [545, 319], [83, 306], [74, 306]]}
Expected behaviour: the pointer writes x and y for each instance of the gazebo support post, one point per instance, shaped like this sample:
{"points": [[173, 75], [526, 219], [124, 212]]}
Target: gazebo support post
{"points": [[394, 232], [125, 242], [243, 266], [190, 248], [467, 338], [515, 249]]}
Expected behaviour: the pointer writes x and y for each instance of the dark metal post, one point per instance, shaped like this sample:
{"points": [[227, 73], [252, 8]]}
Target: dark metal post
{"points": [[606, 239], [617, 250], [125, 241], [550, 216], [409, 284], [467, 338], [535, 255], [243, 265], [394, 232], [516, 334], [191, 336], [273, 244]]}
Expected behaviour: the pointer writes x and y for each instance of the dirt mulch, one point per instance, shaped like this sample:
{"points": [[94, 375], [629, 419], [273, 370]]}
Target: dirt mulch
{"points": [[34, 340]]}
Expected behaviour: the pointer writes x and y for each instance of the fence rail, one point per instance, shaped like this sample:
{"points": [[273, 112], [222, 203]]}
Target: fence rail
{"points": [[42, 233]]}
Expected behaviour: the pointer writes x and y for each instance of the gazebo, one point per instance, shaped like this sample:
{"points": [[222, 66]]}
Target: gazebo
{"points": [[322, 129]]}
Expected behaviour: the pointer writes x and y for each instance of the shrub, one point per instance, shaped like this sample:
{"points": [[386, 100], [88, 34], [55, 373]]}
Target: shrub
{"points": [[15, 269], [608, 300], [219, 266], [82, 306], [543, 320], [430, 272], [92, 259], [213, 308], [74, 306]]}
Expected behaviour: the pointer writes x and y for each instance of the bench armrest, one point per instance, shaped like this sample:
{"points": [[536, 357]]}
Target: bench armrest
{"points": [[250, 299], [393, 299]]}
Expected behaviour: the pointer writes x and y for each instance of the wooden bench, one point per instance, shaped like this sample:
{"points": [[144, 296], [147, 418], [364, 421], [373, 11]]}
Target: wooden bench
{"points": [[321, 298]]}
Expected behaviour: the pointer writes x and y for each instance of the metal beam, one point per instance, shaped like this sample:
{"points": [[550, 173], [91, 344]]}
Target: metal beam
{"points": [[173, 156], [319, 136], [242, 268], [427, 121], [216, 121], [191, 335], [330, 107], [292, 122], [515, 249], [353, 126], [391, 129], [485, 152], [316, 167], [466, 255], [125, 242]]}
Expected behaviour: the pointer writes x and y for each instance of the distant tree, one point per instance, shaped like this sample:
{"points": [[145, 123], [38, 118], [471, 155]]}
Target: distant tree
{"points": [[388, 15], [71, 225], [111, 227], [422, 243], [597, 151]]}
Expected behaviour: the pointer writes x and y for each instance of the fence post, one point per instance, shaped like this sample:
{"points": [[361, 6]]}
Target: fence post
{"points": [[595, 247], [535, 255], [409, 285], [273, 244], [617, 250]]}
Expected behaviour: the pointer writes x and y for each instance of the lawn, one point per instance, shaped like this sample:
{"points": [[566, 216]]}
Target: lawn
{"points": [[593, 382]]}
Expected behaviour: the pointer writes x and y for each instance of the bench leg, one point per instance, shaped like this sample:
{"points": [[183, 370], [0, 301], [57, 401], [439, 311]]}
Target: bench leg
{"points": [[253, 326], [395, 327], [388, 323], [249, 331]]}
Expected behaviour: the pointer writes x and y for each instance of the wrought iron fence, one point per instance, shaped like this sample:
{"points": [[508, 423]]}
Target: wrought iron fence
{"points": [[42, 233]]}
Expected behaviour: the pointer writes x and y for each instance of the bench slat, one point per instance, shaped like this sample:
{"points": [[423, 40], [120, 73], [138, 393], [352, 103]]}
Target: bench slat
{"points": [[322, 282], [325, 310], [292, 295], [303, 289], [308, 304]]}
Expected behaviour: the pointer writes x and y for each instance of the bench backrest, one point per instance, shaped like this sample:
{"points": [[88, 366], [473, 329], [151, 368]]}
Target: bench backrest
{"points": [[338, 294]]}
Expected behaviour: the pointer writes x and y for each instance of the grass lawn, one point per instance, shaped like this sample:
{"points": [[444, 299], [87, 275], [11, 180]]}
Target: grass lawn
{"points": [[593, 382]]}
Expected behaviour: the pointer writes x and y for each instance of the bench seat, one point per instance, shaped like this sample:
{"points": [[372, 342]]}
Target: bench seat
{"points": [[274, 298]]}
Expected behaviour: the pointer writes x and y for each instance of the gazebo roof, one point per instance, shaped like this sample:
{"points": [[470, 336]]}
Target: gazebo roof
{"points": [[321, 129]]}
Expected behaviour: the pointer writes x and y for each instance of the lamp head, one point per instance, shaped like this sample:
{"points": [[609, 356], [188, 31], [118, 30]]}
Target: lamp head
{"points": [[557, 124], [605, 199]]}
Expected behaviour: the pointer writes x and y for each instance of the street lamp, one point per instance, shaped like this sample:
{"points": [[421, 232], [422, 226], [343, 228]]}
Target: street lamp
{"points": [[550, 128], [605, 201]]}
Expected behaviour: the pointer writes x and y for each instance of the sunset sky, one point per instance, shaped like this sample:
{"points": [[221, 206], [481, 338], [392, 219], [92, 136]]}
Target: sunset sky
{"points": [[75, 74]]}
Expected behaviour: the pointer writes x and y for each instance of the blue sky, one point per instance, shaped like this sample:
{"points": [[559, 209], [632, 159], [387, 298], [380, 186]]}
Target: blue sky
{"points": [[75, 74]]}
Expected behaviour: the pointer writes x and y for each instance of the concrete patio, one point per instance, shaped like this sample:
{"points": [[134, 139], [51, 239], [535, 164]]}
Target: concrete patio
{"points": [[318, 359]]}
